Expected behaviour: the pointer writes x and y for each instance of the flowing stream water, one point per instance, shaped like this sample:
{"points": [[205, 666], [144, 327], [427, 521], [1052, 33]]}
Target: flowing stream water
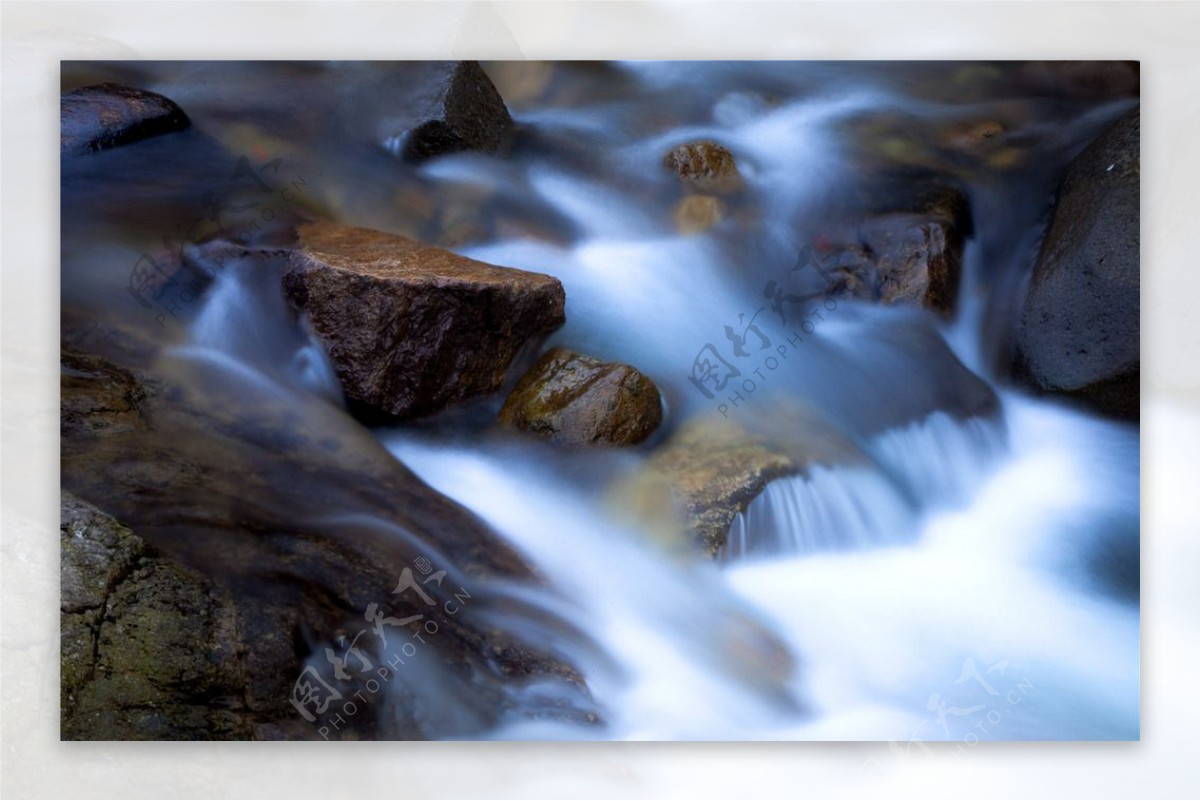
{"points": [[974, 578]]}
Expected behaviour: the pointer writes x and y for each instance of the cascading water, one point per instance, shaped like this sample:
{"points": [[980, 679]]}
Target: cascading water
{"points": [[830, 508], [246, 325], [972, 564]]}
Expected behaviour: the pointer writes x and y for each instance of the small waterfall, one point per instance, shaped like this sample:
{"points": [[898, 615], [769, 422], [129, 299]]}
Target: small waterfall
{"points": [[941, 460], [831, 508], [246, 325], [927, 464], [684, 657]]}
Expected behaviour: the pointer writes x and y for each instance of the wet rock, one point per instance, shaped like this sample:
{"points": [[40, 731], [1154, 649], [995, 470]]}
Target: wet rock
{"points": [[106, 115], [453, 106], [705, 166], [410, 328], [1080, 327], [919, 262], [906, 247], [301, 521], [910, 259], [98, 399], [577, 400], [147, 646], [695, 214], [898, 258], [712, 468]]}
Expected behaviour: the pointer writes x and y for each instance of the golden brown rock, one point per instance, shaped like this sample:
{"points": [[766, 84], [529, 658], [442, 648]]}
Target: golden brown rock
{"points": [[577, 400], [695, 214], [712, 468], [706, 166]]}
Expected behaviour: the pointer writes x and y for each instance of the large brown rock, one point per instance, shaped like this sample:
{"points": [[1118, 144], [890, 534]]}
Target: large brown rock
{"points": [[1080, 326], [300, 520], [577, 400], [411, 328], [106, 115]]}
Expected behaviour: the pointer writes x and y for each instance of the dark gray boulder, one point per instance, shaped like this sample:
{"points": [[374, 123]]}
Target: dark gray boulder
{"points": [[106, 115], [1079, 332], [452, 106]]}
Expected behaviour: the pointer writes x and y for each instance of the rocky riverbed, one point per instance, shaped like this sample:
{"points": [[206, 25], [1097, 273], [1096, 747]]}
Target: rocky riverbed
{"points": [[668, 304]]}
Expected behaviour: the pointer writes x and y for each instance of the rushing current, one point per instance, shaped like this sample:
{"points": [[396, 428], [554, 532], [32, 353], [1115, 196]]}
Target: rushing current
{"points": [[973, 578]]}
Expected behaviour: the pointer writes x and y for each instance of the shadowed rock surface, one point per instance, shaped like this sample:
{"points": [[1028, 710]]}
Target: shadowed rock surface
{"points": [[1080, 327], [900, 258], [454, 107], [415, 110], [302, 519], [106, 115], [900, 239], [149, 648]]}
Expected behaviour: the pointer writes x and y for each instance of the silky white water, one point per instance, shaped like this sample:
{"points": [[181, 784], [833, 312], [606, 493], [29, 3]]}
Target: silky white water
{"points": [[969, 583], [988, 612]]}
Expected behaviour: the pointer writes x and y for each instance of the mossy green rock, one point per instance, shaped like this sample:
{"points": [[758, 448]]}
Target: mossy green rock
{"points": [[577, 400], [147, 645]]}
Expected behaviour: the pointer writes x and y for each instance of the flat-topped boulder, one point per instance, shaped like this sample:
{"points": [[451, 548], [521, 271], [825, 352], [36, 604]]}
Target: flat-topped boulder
{"points": [[412, 328]]}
